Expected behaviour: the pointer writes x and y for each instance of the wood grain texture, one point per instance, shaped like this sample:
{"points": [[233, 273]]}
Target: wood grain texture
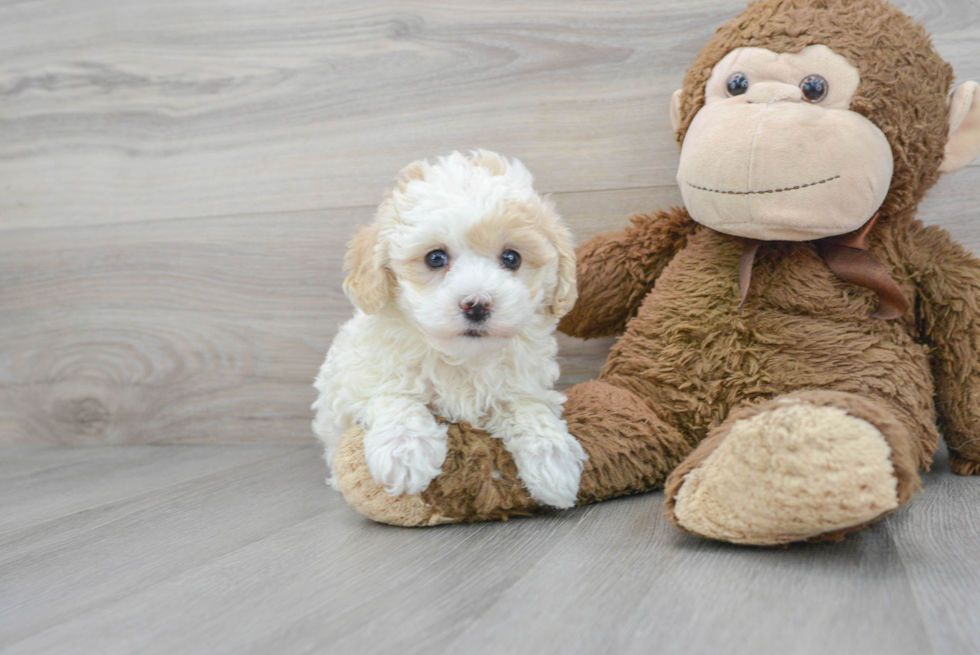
{"points": [[60, 482], [259, 556], [178, 180], [58, 569]]}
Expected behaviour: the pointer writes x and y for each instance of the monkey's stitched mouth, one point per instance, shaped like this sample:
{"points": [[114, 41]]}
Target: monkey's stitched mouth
{"points": [[752, 193]]}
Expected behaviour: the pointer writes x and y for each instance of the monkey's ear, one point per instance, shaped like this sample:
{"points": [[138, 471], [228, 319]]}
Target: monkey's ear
{"points": [[675, 109], [368, 284], [963, 145]]}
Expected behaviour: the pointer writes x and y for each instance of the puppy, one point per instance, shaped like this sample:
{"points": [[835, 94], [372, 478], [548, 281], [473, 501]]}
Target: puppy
{"points": [[459, 284]]}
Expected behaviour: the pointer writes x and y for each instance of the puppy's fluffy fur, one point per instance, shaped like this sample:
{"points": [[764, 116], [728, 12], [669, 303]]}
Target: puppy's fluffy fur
{"points": [[413, 352]]}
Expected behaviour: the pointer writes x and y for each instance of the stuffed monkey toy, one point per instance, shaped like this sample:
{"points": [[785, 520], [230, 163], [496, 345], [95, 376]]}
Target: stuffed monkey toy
{"points": [[793, 341]]}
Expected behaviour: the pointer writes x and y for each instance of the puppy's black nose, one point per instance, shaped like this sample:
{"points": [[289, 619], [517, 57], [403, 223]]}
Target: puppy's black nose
{"points": [[476, 311]]}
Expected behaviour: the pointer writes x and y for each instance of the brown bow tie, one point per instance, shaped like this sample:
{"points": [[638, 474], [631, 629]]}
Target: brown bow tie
{"points": [[848, 257]]}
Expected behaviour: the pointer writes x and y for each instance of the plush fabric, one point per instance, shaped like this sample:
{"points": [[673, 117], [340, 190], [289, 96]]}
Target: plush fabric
{"points": [[769, 165], [810, 465], [964, 127], [903, 81]]}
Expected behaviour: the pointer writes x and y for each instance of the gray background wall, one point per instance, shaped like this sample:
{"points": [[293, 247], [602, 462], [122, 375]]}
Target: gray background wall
{"points": [[178, 179]]}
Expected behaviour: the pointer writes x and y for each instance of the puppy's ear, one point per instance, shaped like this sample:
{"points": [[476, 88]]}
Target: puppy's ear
{"points": [[491, 161], [566, 292], [412, 172], [368, 282]]}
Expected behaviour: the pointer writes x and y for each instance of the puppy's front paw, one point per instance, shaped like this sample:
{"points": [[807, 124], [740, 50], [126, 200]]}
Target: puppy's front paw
{"points": [[550, 466], [405, 460]]}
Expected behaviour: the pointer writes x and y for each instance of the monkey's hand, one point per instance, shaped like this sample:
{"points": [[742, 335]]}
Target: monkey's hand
{"points": [[615, 271], [949, 281]]}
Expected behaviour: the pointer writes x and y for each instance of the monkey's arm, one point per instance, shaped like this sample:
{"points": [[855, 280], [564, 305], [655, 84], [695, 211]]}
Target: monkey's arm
{"points": [[948, 278], [615, 271]]}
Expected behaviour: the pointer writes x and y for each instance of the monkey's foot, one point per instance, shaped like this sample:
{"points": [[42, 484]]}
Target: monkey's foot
{"points": [[807, 466], [963, 466]]}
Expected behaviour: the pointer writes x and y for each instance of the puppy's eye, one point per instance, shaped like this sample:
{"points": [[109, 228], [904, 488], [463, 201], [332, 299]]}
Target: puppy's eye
{"points": [[510, 260], [814, 87], [737, 84], [436, 259]]}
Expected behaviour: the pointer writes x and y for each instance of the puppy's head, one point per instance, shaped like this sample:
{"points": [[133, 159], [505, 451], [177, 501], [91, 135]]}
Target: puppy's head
{"points": [[466, 250]]}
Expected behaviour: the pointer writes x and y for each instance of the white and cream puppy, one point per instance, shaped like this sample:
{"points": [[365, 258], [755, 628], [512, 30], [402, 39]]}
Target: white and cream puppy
{"points": [[459, 284]]}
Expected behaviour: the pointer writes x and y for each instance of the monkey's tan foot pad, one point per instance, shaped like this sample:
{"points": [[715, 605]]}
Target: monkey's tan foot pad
{"points": [[478, 483], [795, 471]]}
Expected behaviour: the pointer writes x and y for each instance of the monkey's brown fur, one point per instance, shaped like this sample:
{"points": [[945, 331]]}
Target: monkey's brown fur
{"points": [[688, 364]]}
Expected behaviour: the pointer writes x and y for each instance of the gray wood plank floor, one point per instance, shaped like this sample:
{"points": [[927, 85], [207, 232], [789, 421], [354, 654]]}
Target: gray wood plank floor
{"points": [[178, 179], [192, 549]]}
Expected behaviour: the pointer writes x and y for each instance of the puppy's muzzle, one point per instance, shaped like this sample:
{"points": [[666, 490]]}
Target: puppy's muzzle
{"points": [[475, 311]]}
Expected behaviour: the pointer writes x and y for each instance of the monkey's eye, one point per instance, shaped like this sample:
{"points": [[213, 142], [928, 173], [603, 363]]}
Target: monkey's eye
{"points": [[436, 259], [738, 83], [510, 260], [814, 88]]}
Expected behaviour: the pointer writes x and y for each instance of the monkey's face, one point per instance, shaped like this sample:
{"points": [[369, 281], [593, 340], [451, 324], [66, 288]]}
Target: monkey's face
{"points": [[776, 152]]}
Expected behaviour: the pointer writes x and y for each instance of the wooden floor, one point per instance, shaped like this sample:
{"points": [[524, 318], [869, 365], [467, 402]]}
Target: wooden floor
{"points": [[202, 549]]}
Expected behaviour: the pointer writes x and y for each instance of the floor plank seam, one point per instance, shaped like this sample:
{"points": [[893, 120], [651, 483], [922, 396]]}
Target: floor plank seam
{"points": [[311, 210]]}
